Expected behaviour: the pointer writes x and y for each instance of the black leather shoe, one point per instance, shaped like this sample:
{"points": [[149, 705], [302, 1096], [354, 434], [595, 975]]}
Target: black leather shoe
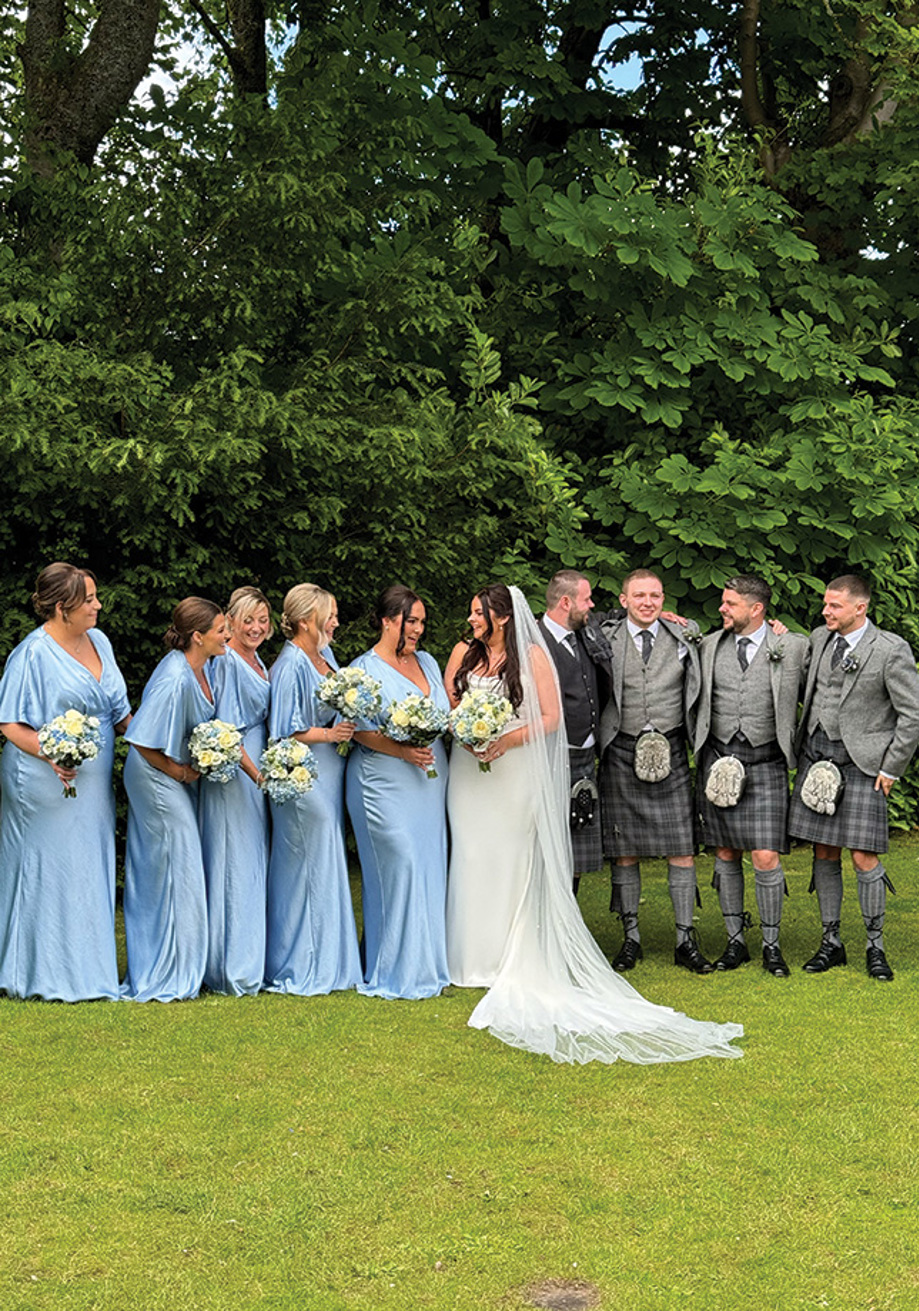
{"points": [[877, 963], [774, 961], [628, 954], [735, 953], [828, 955], [690, 957]]}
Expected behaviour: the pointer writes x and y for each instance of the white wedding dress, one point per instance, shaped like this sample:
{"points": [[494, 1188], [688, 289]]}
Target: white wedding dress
{"points": [[513, 923]]}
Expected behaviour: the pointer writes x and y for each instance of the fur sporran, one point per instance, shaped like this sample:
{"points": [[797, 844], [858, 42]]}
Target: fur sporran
{"points": [[726, 781], [823, 787], [652, 757]]}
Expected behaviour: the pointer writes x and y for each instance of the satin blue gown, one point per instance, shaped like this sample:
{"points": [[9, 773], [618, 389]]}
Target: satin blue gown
{"points": [[399, 820], [165, 910], [233, 821], [312, 938], [57, 853]]}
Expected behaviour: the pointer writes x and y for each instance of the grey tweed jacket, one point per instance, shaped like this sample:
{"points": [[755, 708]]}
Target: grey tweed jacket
{"points": [[617, 634], [879, 708], [788, 656]]}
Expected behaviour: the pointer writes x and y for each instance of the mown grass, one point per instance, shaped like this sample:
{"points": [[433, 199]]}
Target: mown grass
{"points": [[350, 1153]]}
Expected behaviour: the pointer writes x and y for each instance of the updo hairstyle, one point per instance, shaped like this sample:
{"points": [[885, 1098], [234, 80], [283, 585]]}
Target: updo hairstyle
{"points": [[301, 603], [244, 601], [193, 615], [392, 602], [61, 585]]}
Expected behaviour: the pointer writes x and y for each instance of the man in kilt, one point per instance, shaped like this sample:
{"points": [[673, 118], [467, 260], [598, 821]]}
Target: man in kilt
{"points": [[655, 686], [748, 709], [582, 659], [860, 714]]}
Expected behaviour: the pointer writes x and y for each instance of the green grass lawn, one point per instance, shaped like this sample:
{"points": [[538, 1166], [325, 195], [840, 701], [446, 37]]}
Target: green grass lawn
{"points": [[346, 1152]]}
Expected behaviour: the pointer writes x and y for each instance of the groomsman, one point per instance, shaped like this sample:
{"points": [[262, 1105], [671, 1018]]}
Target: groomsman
{"points": [[748, 707], [582, 659], [861, 714], [645, 786]]}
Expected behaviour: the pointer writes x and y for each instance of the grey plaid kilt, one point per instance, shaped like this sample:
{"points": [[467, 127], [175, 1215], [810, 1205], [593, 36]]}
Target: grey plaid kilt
{"points": [[860, 822], [646, 819], [586, 841], [759, 821]]}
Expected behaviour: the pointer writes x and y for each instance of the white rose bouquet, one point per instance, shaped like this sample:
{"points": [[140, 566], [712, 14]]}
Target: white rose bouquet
{"points": [[479, 719], [69, 739], [288, 769], [416, 720], [216, 748], [353, 693]]}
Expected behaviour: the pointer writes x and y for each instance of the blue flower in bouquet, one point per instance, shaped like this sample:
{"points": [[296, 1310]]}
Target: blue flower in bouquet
{"points": [[288, 769], [216, 748], [69, 739], [353, 693], [479, 719], [416, 720]]}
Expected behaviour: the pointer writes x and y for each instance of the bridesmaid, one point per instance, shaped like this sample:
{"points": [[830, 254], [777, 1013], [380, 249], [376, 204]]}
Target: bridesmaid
{"points": [[399, 818], [165, 914], [312, 940], [57, 853], [233, 817]]}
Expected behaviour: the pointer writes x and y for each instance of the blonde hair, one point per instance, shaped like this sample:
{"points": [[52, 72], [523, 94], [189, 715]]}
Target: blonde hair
{"points": [[244, 601], [301, 603]]}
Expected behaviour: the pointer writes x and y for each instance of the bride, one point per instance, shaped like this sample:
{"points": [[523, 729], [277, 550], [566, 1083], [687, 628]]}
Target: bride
{"points": [[513, 924]]}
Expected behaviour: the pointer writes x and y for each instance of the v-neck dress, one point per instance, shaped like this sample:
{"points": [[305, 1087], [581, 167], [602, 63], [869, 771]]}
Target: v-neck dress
{"points": [[233, 820], [312, 939], [399, 820], [57, 853], [165, 910]]}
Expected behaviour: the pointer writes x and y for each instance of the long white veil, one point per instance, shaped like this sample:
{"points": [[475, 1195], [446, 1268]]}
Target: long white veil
{"points": [[555, 992]]}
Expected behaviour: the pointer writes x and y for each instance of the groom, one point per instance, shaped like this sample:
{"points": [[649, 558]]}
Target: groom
{"points": [[582, 658]]}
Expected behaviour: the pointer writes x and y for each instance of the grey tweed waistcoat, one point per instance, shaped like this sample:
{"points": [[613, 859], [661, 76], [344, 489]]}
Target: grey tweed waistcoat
{"points": [[742, 699], [652, 693], [824, 710]]}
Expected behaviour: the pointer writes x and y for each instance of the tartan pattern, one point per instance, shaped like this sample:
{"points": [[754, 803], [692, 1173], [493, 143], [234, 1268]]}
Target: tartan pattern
{"points": [[646, 819], [860, 822], [759, 821], [586, 842]]}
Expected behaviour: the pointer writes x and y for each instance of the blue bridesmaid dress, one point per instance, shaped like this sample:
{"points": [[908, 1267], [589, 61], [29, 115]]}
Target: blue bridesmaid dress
{"points": [[399, 820], [57, 853], [165, 911], [233, 821], [312, 939]]}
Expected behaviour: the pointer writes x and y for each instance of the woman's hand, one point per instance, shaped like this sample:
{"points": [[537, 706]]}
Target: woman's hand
{"points": [[65, 775], [423, 757], [183, 773], [343, 731]]}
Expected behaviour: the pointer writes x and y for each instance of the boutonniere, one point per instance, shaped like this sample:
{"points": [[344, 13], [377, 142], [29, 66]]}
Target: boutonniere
{"points": [[776, 654], [849, 664], [691, 639]]}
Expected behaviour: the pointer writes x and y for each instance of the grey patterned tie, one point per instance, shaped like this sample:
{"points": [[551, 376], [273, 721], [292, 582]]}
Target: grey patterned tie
{"points": [[571, 642], [839, 650], [646, 643], [742, 644]]}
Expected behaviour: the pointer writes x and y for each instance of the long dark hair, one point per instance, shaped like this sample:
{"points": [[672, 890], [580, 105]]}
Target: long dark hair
{"points": [[495, 601], [392, 601]]}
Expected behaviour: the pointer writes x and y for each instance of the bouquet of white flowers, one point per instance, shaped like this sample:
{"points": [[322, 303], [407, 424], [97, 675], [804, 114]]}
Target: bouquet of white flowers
{"points": [[354, 693], [69, 739], [416, 720], [479, 719], [216, 749], [288, 769]]}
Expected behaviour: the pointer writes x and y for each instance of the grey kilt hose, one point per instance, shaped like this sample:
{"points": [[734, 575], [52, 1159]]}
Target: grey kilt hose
{"points": [[646, 819], [860, 821], [759, 821], [586, 839]]}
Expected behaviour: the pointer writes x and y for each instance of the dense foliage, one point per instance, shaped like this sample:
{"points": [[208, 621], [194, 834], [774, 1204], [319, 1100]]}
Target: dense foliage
{"points": [[443, 293]]}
